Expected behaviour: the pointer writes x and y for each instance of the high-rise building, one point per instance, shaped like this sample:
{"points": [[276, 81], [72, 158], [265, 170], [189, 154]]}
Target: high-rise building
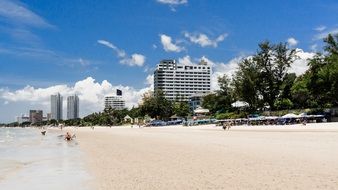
{"points": [[35, 116], [72, 107], [182, 80], [118, 92], [115, 102], [56, 106]]}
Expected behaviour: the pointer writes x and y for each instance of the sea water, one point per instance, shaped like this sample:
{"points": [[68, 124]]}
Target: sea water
{"points": [[29, 160]]}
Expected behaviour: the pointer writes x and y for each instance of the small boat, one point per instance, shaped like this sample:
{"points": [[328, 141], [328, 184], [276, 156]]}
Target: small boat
{"points": [[43, 132]]}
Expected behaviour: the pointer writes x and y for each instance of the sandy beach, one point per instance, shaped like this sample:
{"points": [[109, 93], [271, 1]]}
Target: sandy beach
{"points": [[265, 157]]}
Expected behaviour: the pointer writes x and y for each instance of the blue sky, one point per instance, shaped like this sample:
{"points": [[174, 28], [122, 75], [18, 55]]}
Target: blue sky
{"points": [[48, 43]]}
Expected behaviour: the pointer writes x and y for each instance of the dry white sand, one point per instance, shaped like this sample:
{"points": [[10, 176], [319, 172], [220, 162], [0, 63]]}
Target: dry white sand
{"points": [[269, 157]]}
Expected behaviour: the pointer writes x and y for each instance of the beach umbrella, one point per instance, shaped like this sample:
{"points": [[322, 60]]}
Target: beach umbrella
{"points": [[290, 115], [201, 110], [240, 104]]}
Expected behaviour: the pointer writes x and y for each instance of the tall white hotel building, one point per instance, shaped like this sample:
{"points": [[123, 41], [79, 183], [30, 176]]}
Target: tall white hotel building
{"points": [[182, 80]]}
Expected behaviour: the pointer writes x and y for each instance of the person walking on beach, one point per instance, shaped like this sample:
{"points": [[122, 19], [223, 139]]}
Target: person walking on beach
{"points": [[224, 126]]}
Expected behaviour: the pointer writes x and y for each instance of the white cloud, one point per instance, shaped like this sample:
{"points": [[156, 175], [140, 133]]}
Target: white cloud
{"points": [[203, 40], [150, 82], [221, 68], [320, 28], [323, 35], [120, 53], [134, 60], [173, 3], [90, 92], [18, 14], [300, 65], [168, 45], [292, 42], [186, 60]]}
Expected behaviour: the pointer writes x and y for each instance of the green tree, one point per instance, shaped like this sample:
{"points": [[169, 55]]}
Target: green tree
{"points": [[272, 62], [221, 100], [210, 102], [245, 84], [156, 105], [283, 104], [320, 82], [300, 92], [260, 78], [181, 109]]}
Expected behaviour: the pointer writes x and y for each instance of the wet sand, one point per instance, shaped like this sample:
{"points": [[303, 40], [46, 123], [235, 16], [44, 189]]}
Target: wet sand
{"points": [[265, 157]]}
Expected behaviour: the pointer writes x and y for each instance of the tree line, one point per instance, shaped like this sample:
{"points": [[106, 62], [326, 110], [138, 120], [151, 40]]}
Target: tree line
{"points": [[263, 81]]}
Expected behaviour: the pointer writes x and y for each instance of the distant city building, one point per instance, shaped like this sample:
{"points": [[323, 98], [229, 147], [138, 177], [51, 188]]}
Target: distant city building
{"points": [[56, 106], [72, 107], [115, 102], [182, 80], [35, 116], [23, 118]]}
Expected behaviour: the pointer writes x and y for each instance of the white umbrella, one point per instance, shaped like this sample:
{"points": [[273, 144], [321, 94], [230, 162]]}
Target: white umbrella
{"points": [[240, 104], [201, 110], [290, 115]]}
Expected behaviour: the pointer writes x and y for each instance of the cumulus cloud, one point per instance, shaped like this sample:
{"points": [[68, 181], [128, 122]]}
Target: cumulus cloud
{"points": [[133, 60], [292, 42], [186, 60], [173, 3], [91, 94], [150, 82], [203, 40], [221, 68], [168, 45], [300, 65]]}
